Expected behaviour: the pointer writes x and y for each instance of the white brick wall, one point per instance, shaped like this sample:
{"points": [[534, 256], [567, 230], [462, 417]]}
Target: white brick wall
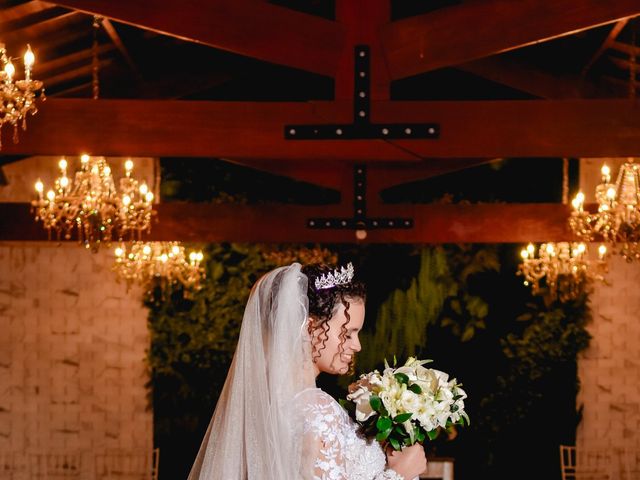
{"points": [[72, 349], [609, 370]]}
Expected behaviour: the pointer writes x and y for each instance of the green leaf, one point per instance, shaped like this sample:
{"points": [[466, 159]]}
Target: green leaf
{"points": [[383, 424], [401, 378], [381, 436], [394, 443], [415, 388], [432, 434], [375, 403], [403, 417]]}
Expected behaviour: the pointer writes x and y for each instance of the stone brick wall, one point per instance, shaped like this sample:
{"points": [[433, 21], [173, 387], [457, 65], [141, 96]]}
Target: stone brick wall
{"points": [[609, 370], [72, 350]]}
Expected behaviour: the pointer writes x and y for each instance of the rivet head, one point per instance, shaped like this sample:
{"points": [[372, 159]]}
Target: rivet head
{"points": [[362, 94], [362, 113], [344, 223], [312, 223], [328, 224], [339, 131], [292, 131], [431, 130], [359, 197], [407, 131], [375, 223], [391, 223], [362, 53], [385, 131], [362, 74]]}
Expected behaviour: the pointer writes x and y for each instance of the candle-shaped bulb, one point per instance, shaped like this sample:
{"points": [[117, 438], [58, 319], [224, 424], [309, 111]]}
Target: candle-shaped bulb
{"points": [[200, 256], [119, 252], [128, 165], [63, 164], [602, 251], [39, 186], [164, 258], [175, 250], [9, 69], [611, 193], [107, 170], [84, 159], [524, 254], [193, 256], [144, 189], [146, 249], [550, 249], [582, 248], [64, 182], [126, 200], [29, 58], [606, 173], [149, 197], [51, 195], [531, 249]]}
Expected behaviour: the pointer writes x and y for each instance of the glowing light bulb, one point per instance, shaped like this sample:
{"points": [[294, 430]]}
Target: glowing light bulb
{"points": [[29, 57], [530, 249], [580, 197], [51, 195], [9, 69], [107, 170], [611, 193], [602, 251], [128, 165], [63, 164], [550, 249], [146, 249], [126, 200], [119, 252], [64, 182], [193, 256], [164, 258], [582, 248], [149, 197], [175, 250], [144, 189], [85, 158], [39, 186], [524, 254]]}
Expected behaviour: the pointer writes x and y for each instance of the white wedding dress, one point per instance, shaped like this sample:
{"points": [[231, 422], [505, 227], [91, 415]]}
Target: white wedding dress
{"points": [[332, 448]]}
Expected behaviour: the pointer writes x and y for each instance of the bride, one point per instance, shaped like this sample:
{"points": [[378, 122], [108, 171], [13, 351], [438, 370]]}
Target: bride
{"points": [[271, 422]]}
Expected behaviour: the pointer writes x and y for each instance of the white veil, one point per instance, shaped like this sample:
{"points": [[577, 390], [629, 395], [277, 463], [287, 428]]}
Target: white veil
{"points": [[253, 433]]}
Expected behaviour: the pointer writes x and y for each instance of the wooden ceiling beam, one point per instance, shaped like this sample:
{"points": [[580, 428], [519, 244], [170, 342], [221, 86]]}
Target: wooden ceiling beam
{"points": [[254, 130], [458, 34], [604, 46], [525, 78], [434, 223], [246, 27]]}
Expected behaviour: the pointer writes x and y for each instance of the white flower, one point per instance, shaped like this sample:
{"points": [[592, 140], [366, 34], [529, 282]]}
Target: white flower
{"points": [[361, 396]]}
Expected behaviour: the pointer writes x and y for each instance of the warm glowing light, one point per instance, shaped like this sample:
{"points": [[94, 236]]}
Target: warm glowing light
{"points": [[9, 69], [51, 195], [39, 186], [29, 57], [126, 200]]}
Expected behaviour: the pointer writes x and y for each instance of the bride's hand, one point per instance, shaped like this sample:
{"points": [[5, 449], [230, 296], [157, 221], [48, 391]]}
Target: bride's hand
{"points": [[408, 462]]}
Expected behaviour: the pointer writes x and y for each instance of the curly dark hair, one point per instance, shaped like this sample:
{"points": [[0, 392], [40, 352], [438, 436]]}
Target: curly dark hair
{"points": [[323, 305]]}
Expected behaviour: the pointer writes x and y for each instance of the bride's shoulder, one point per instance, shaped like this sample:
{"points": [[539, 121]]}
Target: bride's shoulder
{"points": [[314, 399]]}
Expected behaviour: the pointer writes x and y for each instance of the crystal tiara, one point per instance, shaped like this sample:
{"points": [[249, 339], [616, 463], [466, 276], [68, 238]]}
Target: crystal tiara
{"points": [[336, 278]]}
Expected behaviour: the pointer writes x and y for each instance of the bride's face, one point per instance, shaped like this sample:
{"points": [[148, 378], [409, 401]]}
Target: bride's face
{"points": [[335, 347]]}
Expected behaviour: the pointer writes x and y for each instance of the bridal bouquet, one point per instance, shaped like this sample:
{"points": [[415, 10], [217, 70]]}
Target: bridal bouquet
{"points": [[405, 405]]}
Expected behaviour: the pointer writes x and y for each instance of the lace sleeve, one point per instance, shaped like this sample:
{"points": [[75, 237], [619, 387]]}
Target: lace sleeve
{"points": [[331, 450]]}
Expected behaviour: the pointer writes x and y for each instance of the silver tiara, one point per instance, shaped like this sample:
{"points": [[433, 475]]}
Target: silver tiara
{"points": [[331, 280]]}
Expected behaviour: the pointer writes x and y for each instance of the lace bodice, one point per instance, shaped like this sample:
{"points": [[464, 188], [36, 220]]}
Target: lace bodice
{"points": [[333, 449]]}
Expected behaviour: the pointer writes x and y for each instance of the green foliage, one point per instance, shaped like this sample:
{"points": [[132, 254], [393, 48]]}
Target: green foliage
{"points": [[440, 294]]}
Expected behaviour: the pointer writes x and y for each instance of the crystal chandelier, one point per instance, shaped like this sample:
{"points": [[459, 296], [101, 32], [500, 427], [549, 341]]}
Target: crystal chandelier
{"points": [[90, 204], [563, 268], [617, 220], [163, 264], [18, 96]]}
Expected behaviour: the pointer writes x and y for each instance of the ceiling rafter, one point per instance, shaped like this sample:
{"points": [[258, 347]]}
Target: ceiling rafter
{"points": [[433, 223], [472, 30], [246, 27], [479, 129]]}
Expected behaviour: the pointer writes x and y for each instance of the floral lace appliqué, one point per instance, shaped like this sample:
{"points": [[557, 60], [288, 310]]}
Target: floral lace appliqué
{"points": [[332, 445]]}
